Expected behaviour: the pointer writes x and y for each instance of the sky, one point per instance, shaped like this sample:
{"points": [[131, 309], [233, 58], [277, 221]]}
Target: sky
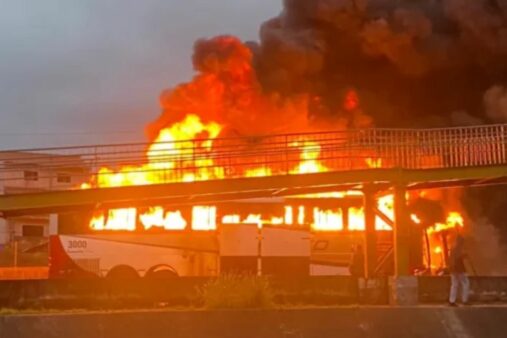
{"points": [[76, 72]]}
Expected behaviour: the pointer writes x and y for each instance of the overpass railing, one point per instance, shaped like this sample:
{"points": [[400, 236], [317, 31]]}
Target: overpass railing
{"points": [[285, 154]]}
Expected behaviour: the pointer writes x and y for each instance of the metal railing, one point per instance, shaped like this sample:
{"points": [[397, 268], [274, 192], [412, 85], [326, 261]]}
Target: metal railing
{"points": [[286, 154]]}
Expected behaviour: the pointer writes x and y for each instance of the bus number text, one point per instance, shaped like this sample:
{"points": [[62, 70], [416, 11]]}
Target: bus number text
{"points": [[76, 244]]}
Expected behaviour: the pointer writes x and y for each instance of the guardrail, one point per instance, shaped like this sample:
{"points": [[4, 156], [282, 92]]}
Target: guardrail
{"points": [[24, 272], [287, 154]]}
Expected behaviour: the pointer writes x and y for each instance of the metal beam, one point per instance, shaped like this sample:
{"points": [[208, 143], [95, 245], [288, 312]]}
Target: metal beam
{"points": [[384, 217], [370, 233], [238, 188], [401, 232]]}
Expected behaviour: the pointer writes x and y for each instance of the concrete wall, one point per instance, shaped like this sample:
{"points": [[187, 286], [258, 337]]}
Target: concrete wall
{"points": [[323, 290], [351, 322], [100, 293]]}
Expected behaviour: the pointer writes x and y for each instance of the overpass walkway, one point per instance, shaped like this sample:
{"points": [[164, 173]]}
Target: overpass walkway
{"points": [[203, 170]]}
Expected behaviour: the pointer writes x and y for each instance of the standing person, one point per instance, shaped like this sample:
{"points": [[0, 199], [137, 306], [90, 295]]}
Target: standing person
{"points": [[356, 266], [356, 269], [458, 272]]}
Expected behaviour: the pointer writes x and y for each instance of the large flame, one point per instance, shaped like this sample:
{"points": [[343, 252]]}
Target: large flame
{"points": [[158, 217], [175, 148], [453, 220], [225, 94]]}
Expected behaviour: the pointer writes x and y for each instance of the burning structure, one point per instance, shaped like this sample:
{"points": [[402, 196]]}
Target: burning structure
{"points": [[323, 65]]}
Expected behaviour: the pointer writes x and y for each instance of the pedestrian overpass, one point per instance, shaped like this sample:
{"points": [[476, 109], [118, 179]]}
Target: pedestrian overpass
{"points": [[206, 171], [412, 158]]}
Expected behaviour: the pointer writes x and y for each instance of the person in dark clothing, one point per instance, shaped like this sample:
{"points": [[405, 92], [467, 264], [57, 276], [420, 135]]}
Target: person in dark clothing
{"points": [[356, 266], [458, 272], [356, 269]]}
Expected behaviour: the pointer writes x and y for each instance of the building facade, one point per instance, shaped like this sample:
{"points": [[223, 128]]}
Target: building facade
{"points": [[26, 172]]}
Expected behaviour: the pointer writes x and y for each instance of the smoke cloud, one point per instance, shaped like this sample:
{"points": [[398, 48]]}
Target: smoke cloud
{"points": [[413, 63], [487, 253], [495, 103], [226, 90]]}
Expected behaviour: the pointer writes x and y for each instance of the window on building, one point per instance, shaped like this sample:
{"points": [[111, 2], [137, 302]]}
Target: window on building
{"points": [[31, 175], [63, 178], [33, 231]]}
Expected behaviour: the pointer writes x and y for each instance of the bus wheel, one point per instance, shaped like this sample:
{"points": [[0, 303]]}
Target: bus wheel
{"points": [[122, 272]]}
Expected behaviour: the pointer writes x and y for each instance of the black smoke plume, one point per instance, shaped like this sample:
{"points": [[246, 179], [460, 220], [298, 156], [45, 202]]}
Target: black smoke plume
{"points": [[413, 63]]}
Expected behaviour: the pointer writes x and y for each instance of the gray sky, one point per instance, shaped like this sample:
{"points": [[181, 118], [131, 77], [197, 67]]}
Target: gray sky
{"points": [[90, 71]]}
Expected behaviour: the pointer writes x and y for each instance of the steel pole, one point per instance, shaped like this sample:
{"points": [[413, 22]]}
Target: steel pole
{"points": [[370, 205], [401, 232]]}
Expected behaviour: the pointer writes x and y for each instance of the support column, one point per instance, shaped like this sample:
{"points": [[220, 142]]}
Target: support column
{"points": [[188, 216], [401, 232], [345, 218], [5, 233], [53, 225], [403, 287], [370, 204]]}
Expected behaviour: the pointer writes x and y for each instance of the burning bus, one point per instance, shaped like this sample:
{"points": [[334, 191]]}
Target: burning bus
{"points": [[295, 236], [263, 236]]}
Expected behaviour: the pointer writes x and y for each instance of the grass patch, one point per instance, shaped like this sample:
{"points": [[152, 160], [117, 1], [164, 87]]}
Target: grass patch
{"points": [[237, 292]]}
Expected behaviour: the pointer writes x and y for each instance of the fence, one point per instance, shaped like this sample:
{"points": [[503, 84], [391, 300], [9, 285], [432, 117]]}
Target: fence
{"points": [[287, 154]]}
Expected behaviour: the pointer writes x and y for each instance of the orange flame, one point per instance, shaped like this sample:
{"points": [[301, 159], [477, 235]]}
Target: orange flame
{"points": [[415, 219], [157, 217], [117, 219], [175, 148], [327, 219], [309, 158], [454, 220], [288, 215]]}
